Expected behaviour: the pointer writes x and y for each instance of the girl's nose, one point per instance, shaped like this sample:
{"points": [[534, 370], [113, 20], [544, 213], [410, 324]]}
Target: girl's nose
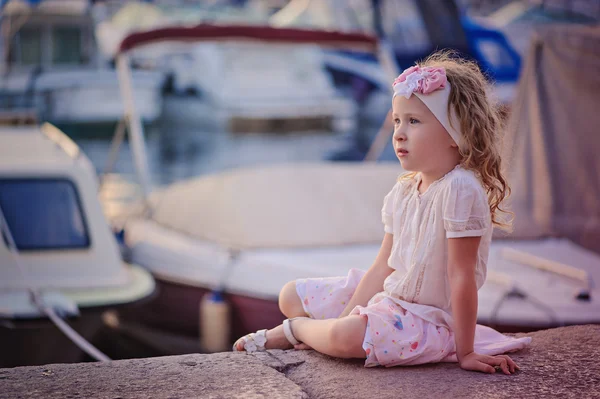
{"points": [[399, 135]]}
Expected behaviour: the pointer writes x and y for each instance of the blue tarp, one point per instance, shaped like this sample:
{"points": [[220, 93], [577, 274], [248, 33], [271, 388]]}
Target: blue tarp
{"points": [[31, 2]]}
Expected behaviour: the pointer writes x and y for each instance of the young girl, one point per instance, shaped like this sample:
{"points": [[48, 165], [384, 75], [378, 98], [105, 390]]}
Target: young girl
{"points": [[417, 303]]}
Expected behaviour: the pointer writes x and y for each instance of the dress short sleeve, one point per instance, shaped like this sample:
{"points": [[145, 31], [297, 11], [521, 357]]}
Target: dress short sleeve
{"points": [[387, 212], [466, 210]]}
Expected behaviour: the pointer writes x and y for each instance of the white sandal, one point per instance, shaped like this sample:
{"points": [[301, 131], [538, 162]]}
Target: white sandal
{"points": [[287, 330], [255, 342]]}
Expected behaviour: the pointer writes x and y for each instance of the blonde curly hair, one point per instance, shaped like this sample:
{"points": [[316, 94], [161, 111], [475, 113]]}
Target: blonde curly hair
{"points": [[481, 125]]}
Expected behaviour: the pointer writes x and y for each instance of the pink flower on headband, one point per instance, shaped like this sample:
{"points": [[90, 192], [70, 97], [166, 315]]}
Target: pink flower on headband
{"points": [[420, 80]]}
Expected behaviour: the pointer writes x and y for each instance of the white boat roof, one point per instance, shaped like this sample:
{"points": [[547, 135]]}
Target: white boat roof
{"points": [[33, 145], [47, 153]]}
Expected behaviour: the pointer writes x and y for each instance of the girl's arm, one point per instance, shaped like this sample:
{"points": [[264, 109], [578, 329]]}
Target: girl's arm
{"points": [[462, 260], [372, 281]]}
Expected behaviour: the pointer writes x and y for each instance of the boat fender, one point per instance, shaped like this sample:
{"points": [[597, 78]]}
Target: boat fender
{"points": [[214, 322]]}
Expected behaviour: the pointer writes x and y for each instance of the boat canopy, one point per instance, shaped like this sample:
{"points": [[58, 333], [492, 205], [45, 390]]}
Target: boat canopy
{"points": [[208, 32], [292, 205]]}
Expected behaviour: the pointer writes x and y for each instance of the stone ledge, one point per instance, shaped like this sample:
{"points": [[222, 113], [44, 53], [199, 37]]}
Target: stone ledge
{"points": [[220, 375], [561, 362]]}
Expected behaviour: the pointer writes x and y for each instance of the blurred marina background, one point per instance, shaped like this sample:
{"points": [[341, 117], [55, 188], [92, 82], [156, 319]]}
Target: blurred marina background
{"points": [[235, 106]]}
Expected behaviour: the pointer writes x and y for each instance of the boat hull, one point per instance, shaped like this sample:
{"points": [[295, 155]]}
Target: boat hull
{"points": [[80, 105], [176, 310], [34, 342], [38, 342]]}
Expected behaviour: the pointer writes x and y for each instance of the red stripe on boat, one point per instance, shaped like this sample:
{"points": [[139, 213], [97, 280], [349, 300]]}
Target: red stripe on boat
{"points": [[207, 32]]}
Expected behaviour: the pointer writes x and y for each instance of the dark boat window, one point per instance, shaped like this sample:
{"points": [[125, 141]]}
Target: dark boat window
{"points": [[27, 46], [43, 214], [66, 45]]}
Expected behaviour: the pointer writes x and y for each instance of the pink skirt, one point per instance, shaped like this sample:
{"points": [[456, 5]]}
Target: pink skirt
{"points": [[398, 332]]}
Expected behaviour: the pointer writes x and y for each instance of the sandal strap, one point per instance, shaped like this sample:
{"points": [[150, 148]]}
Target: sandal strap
{"points": [[287, 330], [260, 345], [254, 342]]}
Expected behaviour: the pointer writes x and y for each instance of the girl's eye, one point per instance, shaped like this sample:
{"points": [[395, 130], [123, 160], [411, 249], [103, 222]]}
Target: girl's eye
{"points": [[396, 121], [413, 121]]}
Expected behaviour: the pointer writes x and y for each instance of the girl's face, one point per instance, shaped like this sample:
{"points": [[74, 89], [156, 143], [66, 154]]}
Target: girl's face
{"points": [[421, 143]]}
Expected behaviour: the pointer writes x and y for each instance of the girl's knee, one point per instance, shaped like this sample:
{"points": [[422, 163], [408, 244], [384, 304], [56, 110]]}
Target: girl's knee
{"points": [[347, 336], [289, 301]]}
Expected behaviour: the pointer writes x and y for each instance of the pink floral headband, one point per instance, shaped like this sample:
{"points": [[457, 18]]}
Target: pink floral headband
{"points": [[431, 86], [421, 80]]}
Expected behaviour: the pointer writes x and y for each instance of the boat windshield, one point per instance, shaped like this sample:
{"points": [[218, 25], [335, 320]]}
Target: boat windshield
{"points": [[43, 214]]}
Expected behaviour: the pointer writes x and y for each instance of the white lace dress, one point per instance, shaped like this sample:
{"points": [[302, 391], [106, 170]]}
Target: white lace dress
{"points": [[454, 206], [410, 321]]}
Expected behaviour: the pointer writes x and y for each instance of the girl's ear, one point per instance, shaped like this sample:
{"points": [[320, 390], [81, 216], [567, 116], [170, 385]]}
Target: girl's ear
{"points": [[451, 141]]}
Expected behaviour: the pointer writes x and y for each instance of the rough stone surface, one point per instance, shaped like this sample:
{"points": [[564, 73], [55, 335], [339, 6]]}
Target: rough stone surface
{"points": [[561, 362], [221, 375]]}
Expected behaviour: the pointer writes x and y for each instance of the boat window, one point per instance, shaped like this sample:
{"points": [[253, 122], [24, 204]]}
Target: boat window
{"points": [[66, 45], [43, 213], [27, 46]]}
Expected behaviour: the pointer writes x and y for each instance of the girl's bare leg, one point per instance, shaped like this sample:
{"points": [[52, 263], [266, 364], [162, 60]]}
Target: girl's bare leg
{"points": [[341, 338], [290, 303]]}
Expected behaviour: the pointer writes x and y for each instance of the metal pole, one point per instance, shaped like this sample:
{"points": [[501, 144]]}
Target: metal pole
{"points": [[136, 131], [385, 55], [381, 139], [115, 146]]}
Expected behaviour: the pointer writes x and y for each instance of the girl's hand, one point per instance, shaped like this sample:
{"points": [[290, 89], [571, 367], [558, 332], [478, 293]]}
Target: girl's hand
{"points": [[486, 364]]}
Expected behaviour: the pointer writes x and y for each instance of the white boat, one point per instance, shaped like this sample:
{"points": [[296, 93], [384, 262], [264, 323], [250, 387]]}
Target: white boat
{"points": [[241, 80], [92, 96], [65, 253], [248, 232], [55, 67]]}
